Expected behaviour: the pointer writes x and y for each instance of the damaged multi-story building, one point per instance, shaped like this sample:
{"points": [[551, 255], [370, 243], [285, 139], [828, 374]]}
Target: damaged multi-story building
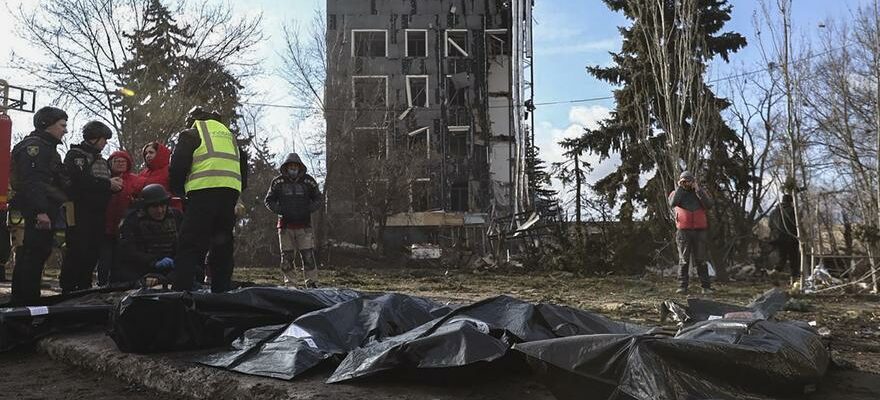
{"points": [[437, 95]]}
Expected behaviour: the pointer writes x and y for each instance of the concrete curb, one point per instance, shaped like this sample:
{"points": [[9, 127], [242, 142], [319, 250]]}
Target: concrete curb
{"points": [[171, 373]]}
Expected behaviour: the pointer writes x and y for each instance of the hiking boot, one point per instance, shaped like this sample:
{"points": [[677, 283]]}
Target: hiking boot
{"points": [[681, 290], [310, 284], [708, 290]]}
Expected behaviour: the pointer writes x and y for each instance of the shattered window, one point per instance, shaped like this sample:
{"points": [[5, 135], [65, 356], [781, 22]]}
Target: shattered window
{"points": [[458, 144], [458, 197], [456, 43], [421, 194], [498, 43], [419, 142], [455, 96], [371, 143], [417, 91], [369, 43], [370, 99], [369, 92], [416, 43]]}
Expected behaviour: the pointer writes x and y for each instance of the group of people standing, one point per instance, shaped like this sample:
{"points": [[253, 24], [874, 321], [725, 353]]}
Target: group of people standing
{"points": [[171, 221]]}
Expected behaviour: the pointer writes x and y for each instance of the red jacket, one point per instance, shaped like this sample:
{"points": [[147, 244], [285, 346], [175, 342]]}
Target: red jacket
{"points": [[687, 220], [121, 200], [156, 171]]}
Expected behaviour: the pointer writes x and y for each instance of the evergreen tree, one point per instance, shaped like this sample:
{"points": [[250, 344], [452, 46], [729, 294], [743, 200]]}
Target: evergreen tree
{"points": [[153, 71], [543, 197], [167, 83], [634, 130]]}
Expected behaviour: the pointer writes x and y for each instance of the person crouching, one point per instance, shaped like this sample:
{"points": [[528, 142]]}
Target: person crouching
{"points": [[148, 238]]}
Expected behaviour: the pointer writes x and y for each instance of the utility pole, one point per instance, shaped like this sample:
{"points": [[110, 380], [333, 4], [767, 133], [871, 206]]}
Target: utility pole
{"points": [[876, 51], [793, 133], [577, 187]]}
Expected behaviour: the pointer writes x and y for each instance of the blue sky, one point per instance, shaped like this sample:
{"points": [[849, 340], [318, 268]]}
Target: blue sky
{"points": [[569, 35]]}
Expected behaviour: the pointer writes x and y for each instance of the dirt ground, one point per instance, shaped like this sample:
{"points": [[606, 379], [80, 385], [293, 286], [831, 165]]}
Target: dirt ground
{"points": [[853, 320], [28, 375]]}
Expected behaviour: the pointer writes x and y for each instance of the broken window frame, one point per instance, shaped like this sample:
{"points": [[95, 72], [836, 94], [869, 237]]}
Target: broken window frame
{"points": [[455, 196], [354, 99], [406, 42], [462, 50], [354, 42], [492, 37], [409, 92], [427, 194], [455, 93], [412, 135], [382, 136], [454, 135]]}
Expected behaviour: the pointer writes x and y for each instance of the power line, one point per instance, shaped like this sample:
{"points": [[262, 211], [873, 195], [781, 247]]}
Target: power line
{"points": [[576, 101]]}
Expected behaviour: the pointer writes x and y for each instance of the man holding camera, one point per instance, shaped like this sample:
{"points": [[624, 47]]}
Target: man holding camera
{"points": [[690, 202]]}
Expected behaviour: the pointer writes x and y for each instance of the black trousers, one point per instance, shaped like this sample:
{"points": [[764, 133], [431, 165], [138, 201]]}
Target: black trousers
{"points": [[29, 260], [84, 241], [5, 245], [692, 250], [790, 254], [107, 259], [207, 225]]}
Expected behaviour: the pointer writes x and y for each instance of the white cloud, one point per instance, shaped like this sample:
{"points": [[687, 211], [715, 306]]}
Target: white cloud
{"points": [[548, 136], [608, 44]]}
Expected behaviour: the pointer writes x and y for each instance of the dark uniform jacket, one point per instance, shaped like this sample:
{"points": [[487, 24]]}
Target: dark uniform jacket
{"points": [[782, 224], [182, 158], [89, 174], [293, 199], [143, 241], [38, 179]]}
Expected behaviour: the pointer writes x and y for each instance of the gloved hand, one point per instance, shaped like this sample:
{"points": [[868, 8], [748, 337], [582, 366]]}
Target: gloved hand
{"points": [[165, 263]]}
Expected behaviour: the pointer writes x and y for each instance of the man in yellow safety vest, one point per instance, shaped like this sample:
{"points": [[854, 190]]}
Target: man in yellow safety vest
{"points": [[209, 170]]}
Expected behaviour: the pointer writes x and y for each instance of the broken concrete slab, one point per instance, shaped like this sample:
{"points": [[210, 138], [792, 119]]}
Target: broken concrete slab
{"points": [[171, 373]]}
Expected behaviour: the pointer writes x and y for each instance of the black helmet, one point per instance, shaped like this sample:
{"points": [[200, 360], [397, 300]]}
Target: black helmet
{"points": [[199, 113], [95, 130], [153, 194], [47, 116]]}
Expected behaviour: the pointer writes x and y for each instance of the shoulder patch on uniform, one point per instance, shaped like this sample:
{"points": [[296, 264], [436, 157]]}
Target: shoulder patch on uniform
{"points": [[33, 150]]}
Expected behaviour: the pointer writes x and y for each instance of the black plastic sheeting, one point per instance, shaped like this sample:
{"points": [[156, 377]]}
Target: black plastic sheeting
{"points": [[399, 332], [285, 351], [175, 321], [56, 314], [479, 333], [721, 352]]}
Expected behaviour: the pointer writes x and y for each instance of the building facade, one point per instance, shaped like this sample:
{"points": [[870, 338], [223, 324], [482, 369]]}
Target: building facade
{"points": [[430, 102]]}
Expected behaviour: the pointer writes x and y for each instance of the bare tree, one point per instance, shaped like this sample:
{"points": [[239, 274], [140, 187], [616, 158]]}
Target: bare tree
{"points": [[676, 51], [84, 43], [844, 105]]}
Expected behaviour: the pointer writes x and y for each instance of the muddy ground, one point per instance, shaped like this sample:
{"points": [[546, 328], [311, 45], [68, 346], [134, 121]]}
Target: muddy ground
{"points": [[853, 319]]}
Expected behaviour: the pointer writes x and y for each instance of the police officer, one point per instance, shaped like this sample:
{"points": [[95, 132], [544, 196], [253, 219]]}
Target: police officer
{"points": [[148, 237], [38, 186], [209, 169], [90, 191]]}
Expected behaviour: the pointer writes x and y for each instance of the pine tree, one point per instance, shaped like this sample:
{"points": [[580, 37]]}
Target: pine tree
{"points": [[634, 131], [153, 71], [167, 83], [543, 197]]}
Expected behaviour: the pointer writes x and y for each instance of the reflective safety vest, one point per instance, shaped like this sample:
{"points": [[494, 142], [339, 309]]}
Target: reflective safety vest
{"points": [[216, 160]]}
